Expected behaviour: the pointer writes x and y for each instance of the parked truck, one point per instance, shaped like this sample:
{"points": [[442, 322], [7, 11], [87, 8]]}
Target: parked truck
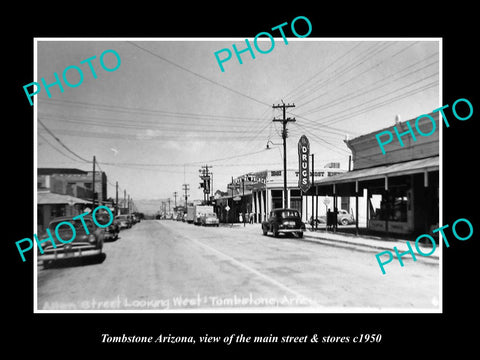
{"points": [[201, 210], [190, 214]]}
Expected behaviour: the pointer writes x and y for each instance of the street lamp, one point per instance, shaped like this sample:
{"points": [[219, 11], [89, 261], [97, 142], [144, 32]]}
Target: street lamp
{"points": [[270, 142], [284, 165]]}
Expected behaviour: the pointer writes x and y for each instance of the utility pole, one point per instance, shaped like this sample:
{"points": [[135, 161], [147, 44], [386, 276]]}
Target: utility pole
{"points": [[93, 184], [243, 201], [314, 218], [186, 188], [284, 122], [175, 196], [205, 176], [124, 198], [116, 198], [232, 200]]}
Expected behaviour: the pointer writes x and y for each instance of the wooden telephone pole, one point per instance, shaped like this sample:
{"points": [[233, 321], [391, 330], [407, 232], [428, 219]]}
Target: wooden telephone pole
{"points": [[284, 122]]}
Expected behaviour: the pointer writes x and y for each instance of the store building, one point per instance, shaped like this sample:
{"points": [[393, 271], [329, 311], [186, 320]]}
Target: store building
{"points": [[52, 205], [255, 194], [67, 192], [400, 188], [73, 182]]}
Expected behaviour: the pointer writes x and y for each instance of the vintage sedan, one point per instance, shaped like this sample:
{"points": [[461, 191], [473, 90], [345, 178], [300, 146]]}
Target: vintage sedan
{"points": [[209, 220], [82, 245], [124, 221], [285, 221], [112, 231], [343, 218]]}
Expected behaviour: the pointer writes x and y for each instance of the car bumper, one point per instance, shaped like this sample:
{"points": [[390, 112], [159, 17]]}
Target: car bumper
{"points": [[211, 223], [109, 236], [290, 230], [62, 253]]}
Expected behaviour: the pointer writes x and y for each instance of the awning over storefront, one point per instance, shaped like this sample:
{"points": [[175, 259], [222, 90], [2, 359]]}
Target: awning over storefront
{"points": [[48, 198], [350, 183], [379, 172]]}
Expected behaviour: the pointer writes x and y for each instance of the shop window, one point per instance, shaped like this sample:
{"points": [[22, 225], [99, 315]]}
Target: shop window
{"points": [[399, 208], [391, 207]]}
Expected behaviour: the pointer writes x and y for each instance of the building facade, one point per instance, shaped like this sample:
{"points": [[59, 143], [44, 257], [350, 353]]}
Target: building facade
{"points": [[401, 187], [252, 196], [73, 182], [67, 192]]}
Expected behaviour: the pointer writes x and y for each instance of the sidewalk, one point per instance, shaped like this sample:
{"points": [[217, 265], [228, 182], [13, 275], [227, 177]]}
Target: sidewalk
{"points": [[371, 243], [374, 243]]}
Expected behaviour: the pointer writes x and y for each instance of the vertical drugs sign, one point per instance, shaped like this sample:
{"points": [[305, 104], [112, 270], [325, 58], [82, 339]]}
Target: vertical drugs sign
{"points": [[303, 154]]}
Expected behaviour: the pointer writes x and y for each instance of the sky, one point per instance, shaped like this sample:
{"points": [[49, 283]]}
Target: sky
{"points": [[168, 109]]}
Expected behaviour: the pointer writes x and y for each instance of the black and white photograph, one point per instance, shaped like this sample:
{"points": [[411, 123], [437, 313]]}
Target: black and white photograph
{"points": [[256, 183], [227, 179]]}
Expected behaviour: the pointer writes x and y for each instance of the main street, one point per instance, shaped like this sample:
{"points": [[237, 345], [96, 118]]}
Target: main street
{"points": [[170, 265]]}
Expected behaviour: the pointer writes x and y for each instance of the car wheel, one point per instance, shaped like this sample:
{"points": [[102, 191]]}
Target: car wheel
{"points": [[300, 234], [344, 222], [275, 232], [264, 230], [47, 264]]}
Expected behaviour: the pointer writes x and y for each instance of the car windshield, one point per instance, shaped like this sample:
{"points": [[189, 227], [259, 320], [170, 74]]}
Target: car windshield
{"points": [[289, 213], [77, 224]]}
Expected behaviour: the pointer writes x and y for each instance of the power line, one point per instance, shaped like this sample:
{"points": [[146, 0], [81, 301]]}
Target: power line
{"points": [[58, 150], [197, 74], [372, 87], [358, 60], [388, 101], [323, 140], [229, 136], [60, 142], [181, 128], [144, 111], [321, 71]]}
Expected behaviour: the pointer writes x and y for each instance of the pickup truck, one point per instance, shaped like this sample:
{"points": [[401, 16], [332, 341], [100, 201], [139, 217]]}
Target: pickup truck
{"points": [[286, 221]]}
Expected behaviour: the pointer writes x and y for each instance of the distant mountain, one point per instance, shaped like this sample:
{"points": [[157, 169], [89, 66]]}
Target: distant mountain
{"points": [[151, 206]]}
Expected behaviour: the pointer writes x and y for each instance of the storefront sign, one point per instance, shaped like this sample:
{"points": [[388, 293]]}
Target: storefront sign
{"points": [[303, 154]]}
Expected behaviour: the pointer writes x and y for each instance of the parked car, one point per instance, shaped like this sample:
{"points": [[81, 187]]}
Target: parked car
{"points": [[286, 221], [209, 220], [124, 221], [134, 219], [344, 217], [179, 216], [82, 245], [112, 231]]}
